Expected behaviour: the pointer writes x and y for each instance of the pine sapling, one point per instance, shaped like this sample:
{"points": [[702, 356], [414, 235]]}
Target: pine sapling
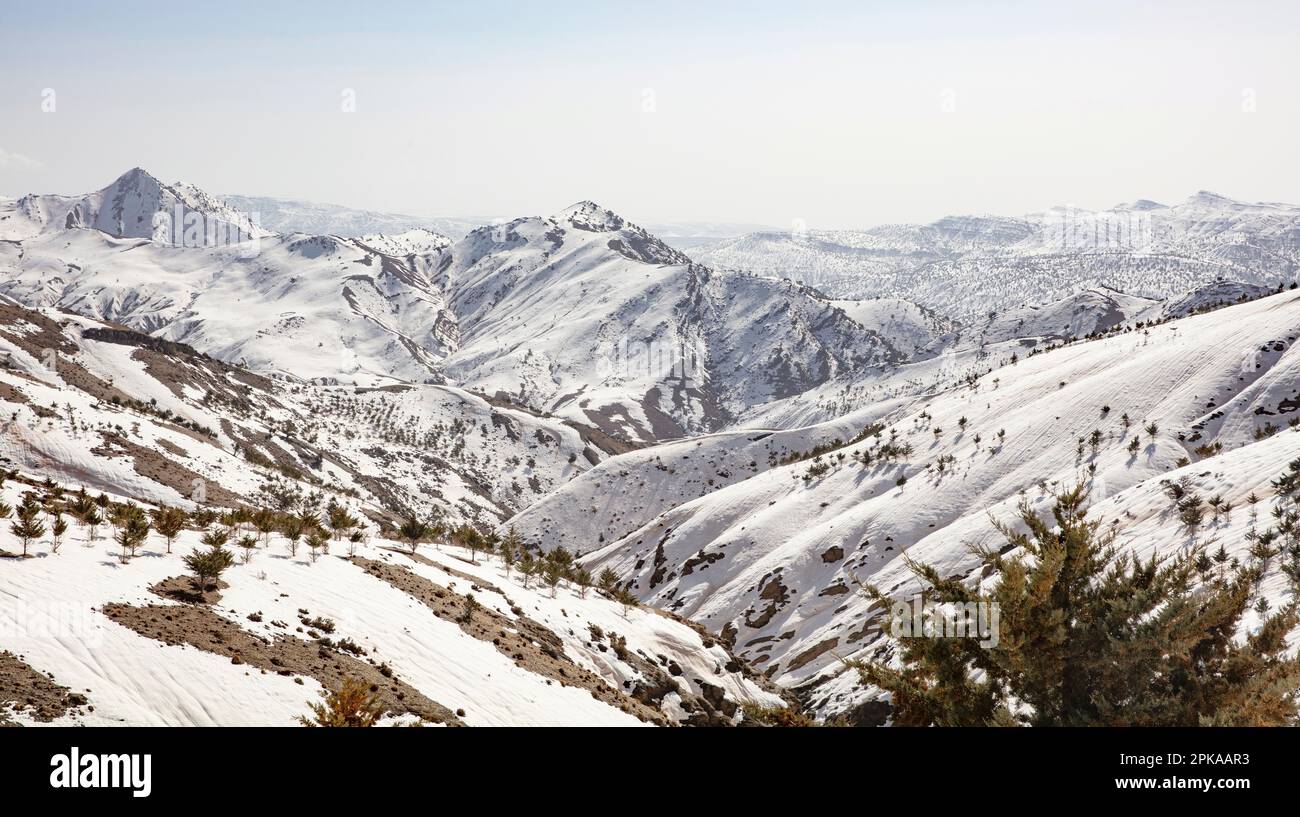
{"points": [[607, 580], [414, 531], [316, 542], [27, 525], [58, 527], [169, 522], [248, 544], [353, 704], [208, 565]]}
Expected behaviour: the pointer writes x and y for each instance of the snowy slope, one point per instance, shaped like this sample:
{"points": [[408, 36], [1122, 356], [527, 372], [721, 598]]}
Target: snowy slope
{"points": [[134, 415], [908, 327], [1092, 310], [67, 619], [311, 306], [768, 560], [1210, 296], [623, 493]]}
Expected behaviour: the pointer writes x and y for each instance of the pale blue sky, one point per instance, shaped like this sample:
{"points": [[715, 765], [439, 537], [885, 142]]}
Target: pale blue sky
{"points": [[834, 113]]}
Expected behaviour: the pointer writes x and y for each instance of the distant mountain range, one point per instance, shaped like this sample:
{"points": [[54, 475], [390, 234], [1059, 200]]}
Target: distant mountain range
{"points": [[965, 266], [581, 314], [294, 216]]}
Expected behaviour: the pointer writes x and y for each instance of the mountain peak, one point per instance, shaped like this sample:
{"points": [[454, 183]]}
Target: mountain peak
{"points": [[133, 177], [1207, 197], [1141, 205], [588, 215], [415, 241]]}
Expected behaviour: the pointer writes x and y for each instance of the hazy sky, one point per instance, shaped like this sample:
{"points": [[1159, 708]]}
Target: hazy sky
{"points": [[840, 114]]}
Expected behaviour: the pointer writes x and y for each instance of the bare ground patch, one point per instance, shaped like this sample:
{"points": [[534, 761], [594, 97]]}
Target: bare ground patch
{"points": [[476, 582], [168, 445], [204, 629], [10, 394], [182, 588], [26, 689]]}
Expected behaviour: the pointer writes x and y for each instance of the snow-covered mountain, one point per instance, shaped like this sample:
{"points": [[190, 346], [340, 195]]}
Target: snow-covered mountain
{"points": [[135, 205], [765, 546], [738, 448], [296, 216], [581, 314], [310, 306], [968, 266], [417, 241], [588, 316]]}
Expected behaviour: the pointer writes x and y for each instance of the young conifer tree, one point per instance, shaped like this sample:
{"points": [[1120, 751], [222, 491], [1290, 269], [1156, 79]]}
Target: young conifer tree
{"points": [[351, 705], [169, 522], [414, 531], [607, 580], [208, 565], [27, 525], [1091, 636], [58, 527]]}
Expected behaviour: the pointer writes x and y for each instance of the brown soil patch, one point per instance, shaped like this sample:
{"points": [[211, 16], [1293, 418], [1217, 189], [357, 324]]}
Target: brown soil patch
{"points": [[529, 644], [10, 394], [833, 554], [812, 653], [48, 333], [168, 445], [24, 688], [476, 582], [183, 589], [287, 655]]}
